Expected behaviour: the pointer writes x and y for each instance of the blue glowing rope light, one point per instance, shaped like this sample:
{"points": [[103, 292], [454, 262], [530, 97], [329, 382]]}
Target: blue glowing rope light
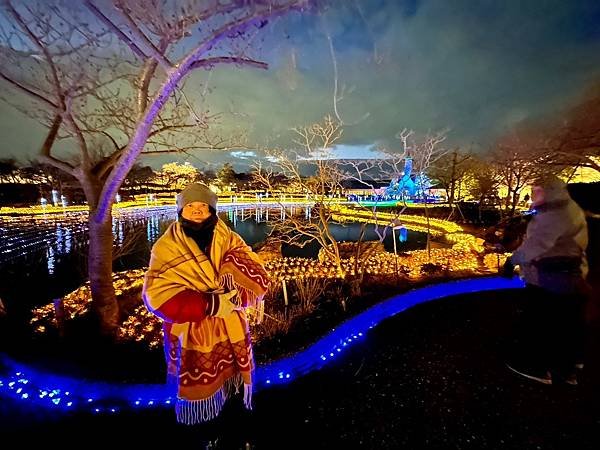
{"points": [[327, 348], [69, 393]]}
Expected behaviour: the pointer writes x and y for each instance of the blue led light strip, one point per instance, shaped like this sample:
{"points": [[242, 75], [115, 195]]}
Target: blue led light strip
{"points": [[69, 393]]}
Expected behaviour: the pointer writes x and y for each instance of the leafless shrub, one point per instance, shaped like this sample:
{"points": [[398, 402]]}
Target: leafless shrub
{"points": [[308, 291]]}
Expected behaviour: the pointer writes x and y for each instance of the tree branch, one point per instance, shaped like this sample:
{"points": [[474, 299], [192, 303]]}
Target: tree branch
{"points": [[28, 91], [211, 62], [81, 139], [105, 166], [232, 27], [51, 137], [45, 151], [64, 166], [191, 147], [164, 92], [135, 29], [36, 41], [145, 77], [574, 159], [100, 15], [169, 128]]}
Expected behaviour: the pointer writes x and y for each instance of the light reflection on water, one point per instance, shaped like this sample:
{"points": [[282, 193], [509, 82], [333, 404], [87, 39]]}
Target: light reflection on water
{"points": [[59, 235], [51, 249]]}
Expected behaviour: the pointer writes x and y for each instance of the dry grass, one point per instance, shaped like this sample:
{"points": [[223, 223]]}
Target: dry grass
{"points": [[308, 291]]}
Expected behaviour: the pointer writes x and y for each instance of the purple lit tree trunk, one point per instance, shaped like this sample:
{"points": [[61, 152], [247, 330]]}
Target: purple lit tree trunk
{"points": [[100, 273], [61, 60], [100, 258]]}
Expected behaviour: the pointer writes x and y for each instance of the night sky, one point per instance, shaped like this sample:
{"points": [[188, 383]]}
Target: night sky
{"points": [[475, 67]]}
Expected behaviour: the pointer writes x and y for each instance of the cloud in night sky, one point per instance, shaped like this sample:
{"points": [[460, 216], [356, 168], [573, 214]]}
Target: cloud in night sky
{"points": [[243, 155], [346, 152], [476, 68]]}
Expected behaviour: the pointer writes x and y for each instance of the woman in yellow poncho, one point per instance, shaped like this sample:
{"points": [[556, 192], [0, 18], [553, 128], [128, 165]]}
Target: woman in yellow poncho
{"points": [[201, 279]]}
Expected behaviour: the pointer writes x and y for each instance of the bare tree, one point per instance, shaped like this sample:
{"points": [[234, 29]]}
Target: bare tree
{"points": [[313, 169], [571, 140], [450, 171], [519, 160], [113, 72], [392, 165], [321, 175], [486, 181], [424, 155], [576, 140]]}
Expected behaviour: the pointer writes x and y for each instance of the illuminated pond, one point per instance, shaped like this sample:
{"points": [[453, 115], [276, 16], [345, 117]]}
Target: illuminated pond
{"points": [[44, 257]]}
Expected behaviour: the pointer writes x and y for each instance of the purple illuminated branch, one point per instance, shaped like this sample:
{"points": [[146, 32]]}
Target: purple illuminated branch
{"points": [[174, 77]]}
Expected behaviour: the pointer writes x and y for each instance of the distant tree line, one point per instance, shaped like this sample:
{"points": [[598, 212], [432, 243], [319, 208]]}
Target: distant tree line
{"points": [[23, 184]]}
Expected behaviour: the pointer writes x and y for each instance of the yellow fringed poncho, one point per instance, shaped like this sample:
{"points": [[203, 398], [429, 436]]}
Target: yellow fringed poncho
{"points": [[211, 358]]}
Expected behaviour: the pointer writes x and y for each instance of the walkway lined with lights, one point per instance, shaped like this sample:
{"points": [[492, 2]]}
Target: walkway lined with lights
{"points": [[48, 390]]}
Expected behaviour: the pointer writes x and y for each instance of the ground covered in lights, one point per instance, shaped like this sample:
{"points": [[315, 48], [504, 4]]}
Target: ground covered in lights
{"points": [[430, 377]]}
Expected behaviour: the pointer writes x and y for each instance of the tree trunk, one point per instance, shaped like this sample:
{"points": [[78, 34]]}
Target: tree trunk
{"points": [[451, 196], [428, 229], [104, 301], [515, 201]]}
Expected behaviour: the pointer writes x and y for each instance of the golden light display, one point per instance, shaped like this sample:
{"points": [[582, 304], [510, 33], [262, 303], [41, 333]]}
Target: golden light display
{"points": [[494, 261], [77, 302], [465, 242], [437, 227], [465, 256], [39, 210], [142, 326]]}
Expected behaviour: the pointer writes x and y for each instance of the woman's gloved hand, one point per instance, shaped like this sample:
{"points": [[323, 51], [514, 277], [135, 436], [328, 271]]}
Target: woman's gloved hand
{"points": [[221, 305]]}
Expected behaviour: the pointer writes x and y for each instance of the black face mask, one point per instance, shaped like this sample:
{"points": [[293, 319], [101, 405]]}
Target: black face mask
{"points": [[202, 232]]}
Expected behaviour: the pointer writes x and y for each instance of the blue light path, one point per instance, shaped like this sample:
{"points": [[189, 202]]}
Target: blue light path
{"points": [[68, 393]]}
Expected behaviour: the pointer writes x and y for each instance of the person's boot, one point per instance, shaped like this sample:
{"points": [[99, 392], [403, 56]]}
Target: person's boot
{"points": [[531, 373]]}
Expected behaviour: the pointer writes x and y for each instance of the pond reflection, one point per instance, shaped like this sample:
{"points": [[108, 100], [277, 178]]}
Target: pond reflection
{"points": [[45, 256]]}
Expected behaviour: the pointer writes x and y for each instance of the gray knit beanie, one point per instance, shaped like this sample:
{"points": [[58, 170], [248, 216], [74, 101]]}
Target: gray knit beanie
{"points": [[196, 192]]}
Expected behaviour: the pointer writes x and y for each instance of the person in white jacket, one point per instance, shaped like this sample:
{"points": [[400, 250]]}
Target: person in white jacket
{"points": [[553, 264]]}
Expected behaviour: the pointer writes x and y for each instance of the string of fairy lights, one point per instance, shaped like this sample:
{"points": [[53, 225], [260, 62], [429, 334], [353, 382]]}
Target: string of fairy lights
{"points": [[23, 236], [25, 383]]}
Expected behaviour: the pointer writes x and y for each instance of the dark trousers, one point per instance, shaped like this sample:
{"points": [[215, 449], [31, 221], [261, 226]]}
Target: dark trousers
{"points": [[550, 332]]}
